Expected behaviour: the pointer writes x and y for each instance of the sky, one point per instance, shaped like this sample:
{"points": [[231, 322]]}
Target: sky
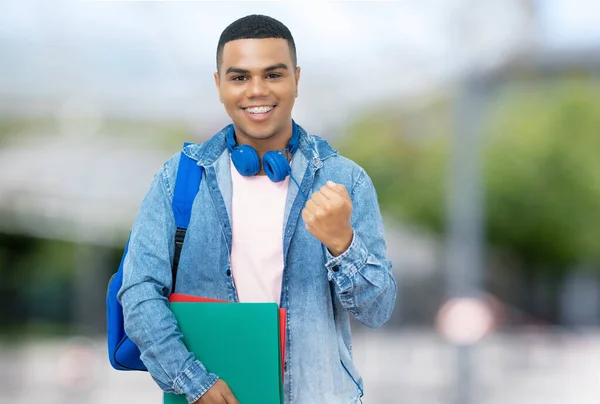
{"points": [[570, 23], [156, 59]]}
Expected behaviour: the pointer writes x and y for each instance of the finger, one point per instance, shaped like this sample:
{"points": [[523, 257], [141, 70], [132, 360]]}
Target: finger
{"points": [[311, 206], [308, 217], [332, 195], [319, 199], [340, 189], [336, 197], [229, 397], [232, 400]]}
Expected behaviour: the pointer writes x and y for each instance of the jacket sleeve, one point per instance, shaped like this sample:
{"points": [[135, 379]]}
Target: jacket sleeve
{"points": [[362, 275], [146, 284]]}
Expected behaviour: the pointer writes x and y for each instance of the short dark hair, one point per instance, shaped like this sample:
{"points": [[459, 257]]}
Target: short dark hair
{"points": [[255, 26]]}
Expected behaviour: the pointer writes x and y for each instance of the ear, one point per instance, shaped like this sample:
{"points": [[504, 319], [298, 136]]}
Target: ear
{"points": [[218, 85], [297, 79]]}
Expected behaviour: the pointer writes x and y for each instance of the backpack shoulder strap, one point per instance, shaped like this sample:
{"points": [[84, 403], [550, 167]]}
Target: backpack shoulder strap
{"points": [[189, 175]]}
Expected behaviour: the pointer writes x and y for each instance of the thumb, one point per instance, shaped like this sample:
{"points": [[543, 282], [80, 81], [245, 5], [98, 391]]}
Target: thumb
{"points": [[334, 186], [339, 188], [229, 397]]}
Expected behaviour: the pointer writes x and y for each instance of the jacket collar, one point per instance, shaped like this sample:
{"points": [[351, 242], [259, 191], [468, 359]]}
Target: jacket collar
{"points": [[314, 149]]}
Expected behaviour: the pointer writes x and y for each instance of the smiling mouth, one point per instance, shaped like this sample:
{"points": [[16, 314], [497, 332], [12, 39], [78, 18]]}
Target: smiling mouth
{"points": [[259, 110], [259, 113]]}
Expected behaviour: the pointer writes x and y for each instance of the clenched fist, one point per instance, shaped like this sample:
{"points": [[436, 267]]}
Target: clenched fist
{"points": [[327, 217]]}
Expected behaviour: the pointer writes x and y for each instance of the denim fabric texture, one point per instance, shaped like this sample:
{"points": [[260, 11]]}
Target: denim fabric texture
{"points": [[319, 291]]}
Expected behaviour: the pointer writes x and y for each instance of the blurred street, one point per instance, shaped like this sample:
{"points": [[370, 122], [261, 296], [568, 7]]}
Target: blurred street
{"points": [[476, 120], [412, 366]]}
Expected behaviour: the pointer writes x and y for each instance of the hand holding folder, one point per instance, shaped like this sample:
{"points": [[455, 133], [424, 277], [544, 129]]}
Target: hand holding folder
{"points": [[219, 393], [243, 343]]}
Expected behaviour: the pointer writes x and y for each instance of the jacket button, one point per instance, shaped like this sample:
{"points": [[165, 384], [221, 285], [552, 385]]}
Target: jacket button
{"points": [[335, 268], [228, 272]]}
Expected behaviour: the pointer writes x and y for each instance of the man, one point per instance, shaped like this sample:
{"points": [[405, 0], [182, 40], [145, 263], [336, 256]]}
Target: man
{"points": [[314, 245]]}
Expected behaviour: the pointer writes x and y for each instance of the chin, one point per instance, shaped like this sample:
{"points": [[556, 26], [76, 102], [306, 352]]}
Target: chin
{"points": [[260, 135], [259, 132]]}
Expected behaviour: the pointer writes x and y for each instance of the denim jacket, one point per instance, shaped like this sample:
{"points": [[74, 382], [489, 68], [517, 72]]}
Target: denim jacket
{"points": [[319, 291]]}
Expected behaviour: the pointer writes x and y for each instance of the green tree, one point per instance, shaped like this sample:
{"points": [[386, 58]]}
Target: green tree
{"points": [[541, 171], [407, 171], [542, 175]]}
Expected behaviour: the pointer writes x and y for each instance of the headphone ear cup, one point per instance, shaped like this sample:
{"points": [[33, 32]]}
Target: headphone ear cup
{"points": [[246, 161], [276, 166]]}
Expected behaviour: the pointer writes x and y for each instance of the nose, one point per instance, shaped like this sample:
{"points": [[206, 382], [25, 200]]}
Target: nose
{"points": [[257, 88]]}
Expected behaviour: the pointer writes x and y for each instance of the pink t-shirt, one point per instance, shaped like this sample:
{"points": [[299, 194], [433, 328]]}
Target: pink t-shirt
{"points": [[257, 212]]}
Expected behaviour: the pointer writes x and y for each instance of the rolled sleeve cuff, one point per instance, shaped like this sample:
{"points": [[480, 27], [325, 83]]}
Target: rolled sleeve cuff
{"points": [[194, 382], [344, 267]]}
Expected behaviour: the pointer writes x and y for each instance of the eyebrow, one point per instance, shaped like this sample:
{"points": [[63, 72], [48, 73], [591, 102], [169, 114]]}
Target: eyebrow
{"points": [[278, 66]]}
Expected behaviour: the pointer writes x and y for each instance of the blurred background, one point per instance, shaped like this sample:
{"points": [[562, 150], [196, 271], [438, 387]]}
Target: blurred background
{"points": [[478, 120]]}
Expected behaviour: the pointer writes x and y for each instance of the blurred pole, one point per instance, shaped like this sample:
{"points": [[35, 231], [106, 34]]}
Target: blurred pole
{"points": [[89, 293], [464, 255]]}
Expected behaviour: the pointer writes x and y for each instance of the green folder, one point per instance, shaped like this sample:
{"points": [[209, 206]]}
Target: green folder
{"points": [[239, 342]]}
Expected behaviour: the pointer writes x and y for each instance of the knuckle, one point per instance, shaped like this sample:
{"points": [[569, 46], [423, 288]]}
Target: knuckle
{"points": [[307, 217]]}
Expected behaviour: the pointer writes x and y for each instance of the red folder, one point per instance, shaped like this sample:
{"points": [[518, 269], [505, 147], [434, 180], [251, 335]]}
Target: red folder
{"points": [[179, 297]]}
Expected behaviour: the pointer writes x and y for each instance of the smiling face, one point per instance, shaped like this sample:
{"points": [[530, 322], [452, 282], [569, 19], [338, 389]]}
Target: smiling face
{"points": [[258, 84]]}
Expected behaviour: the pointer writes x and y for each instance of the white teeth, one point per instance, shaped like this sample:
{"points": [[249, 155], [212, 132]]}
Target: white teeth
{"points": [[259, 110]]}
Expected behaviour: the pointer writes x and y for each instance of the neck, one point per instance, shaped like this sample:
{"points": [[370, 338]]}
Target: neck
{"points": [[277, 141]]}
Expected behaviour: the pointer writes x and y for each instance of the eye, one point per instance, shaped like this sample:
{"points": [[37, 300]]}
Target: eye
{"points": [[238, 78], [273, 75]]}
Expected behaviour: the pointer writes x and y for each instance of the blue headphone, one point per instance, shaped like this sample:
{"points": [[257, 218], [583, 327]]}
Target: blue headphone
{"points": [[276, 165]]}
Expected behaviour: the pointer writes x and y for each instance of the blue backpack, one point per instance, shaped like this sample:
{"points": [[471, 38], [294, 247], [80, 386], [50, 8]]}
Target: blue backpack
{"points": [[122, 352]]}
